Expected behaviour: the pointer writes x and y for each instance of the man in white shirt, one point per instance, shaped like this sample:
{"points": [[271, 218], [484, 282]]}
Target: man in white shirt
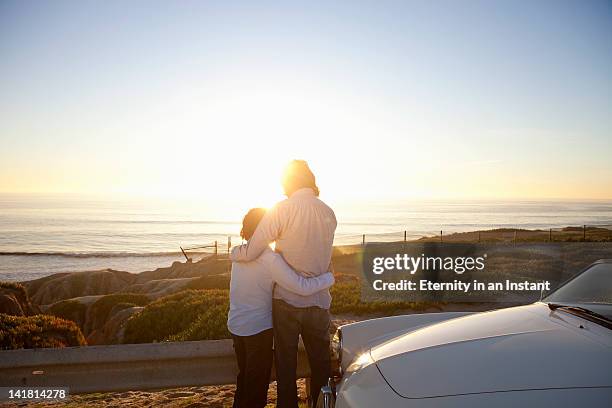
{"points": [[250, 315], [303, 228]]}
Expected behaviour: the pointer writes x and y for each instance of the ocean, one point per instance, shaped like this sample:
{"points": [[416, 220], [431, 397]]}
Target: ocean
{"points": [[41, 235]]}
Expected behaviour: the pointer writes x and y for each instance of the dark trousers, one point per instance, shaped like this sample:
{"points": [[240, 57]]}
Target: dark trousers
{"points": [[313, 324], [254, 355]]}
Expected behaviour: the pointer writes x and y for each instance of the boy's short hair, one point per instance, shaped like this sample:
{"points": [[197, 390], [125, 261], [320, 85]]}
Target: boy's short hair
{"points": [[251, 221]]}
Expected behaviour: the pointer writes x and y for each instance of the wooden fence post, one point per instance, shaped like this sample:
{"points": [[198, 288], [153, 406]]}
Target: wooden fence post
{"points": [[363, 240], [216, 248], [440, 235], [550, 235], [584, 232], [229, 244], [405, 232], [184, 254]]}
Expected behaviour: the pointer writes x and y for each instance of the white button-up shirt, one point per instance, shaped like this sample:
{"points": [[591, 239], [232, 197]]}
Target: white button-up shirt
{"points": [[251, 291], [303, 228]]}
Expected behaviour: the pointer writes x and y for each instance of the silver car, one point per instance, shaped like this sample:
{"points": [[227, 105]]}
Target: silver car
{"points": [[555, 352]]}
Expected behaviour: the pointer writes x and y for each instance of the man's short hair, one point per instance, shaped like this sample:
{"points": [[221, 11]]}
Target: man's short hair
{"points": [[298, 175]]}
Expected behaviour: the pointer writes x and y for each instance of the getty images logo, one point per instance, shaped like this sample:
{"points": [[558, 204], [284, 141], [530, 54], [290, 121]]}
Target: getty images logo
{"points": [[412, 264]]}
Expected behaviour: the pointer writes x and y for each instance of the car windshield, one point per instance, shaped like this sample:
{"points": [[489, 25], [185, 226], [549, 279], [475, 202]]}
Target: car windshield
{"points": [[592, 288]]}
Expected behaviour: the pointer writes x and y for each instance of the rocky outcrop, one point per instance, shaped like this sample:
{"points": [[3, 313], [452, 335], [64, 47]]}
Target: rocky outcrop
{"points": [[205, 267], [160, 287], [75, 309], [160, 282], [93, 313], [101, 302], [71, 285]]}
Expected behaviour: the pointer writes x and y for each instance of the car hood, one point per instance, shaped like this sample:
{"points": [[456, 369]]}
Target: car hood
{"points": [[520, 348]]}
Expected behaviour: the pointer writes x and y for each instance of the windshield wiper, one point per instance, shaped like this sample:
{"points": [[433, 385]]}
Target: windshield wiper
{"points": [[584, 313]]}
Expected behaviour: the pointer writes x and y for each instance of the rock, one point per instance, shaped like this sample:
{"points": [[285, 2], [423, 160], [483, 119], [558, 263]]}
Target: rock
{"points": [[114, 329], [207, 266], [58, 287], [159, 287], [71, 309]]}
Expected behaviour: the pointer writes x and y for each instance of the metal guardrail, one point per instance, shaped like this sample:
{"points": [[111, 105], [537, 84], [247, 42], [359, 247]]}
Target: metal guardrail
{"points": [[127, 367]]}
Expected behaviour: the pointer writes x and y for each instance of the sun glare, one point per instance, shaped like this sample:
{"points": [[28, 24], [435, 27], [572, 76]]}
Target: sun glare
{"points": [[235, 142]]}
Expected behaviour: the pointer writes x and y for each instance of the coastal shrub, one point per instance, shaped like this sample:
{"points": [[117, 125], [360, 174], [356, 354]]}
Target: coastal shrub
{"points": [[17, 332], [202, 314], [211, 325], [69, 310], [175, 314], [210, 282]]}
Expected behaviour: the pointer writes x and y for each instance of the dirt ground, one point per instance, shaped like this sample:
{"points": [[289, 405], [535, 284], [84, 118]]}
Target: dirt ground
{"points": [[188, 397]]}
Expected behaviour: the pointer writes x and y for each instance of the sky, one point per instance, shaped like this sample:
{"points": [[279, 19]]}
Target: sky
{"points": [[402, 99]]}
